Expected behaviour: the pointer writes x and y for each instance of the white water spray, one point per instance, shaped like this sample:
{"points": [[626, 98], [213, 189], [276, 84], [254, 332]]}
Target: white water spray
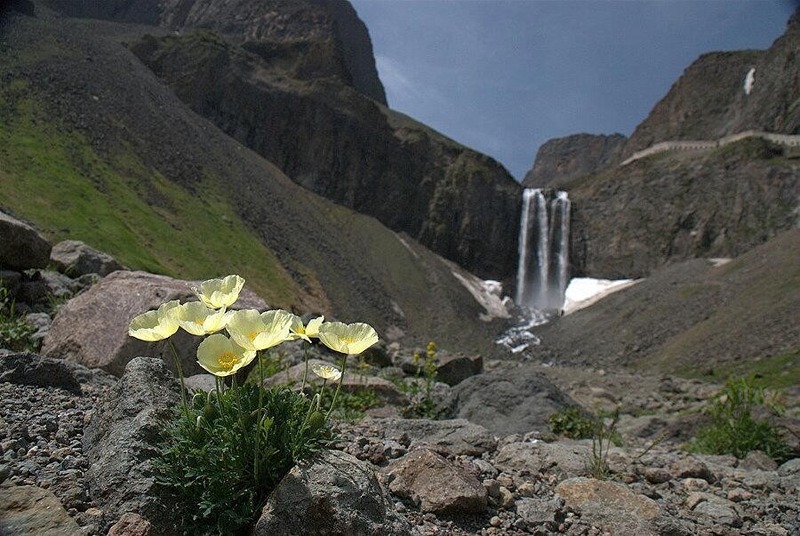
{"points": [[543, 242]]}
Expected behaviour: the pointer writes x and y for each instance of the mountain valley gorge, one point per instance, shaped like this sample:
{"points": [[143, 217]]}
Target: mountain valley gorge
{"points": [[147, 145]]}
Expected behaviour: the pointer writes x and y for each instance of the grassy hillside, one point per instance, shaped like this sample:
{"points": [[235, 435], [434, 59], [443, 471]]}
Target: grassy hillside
{"points": [[94, 147], [50, 174]]}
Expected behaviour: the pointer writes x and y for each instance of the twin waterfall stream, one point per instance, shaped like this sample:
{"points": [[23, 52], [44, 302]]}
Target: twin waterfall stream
{"points": [[543, 270]]}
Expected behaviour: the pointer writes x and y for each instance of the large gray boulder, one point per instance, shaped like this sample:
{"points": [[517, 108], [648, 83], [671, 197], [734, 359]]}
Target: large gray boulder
{"points": [[75, 258], [334, 494], [92, 328], [516, 400], [122, 439], [21, 246]]}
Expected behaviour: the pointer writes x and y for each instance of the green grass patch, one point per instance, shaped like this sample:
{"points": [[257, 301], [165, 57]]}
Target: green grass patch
{"points": [[775, 372], [52, 176]]}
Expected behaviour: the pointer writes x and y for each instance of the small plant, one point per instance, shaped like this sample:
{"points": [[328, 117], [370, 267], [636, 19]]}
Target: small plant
{"points": [[350, 407], [575, 423], [227, 449], [734, 430], [15, 330], [605, 434], [420, 388]]}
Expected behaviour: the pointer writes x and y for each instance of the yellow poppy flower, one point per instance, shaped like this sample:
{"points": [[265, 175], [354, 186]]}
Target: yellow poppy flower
{"points": [[155, 325], [326, 372], [198, 319], [255, 331], [219, 293], [221, 356], [347, 338], [298, 331]]}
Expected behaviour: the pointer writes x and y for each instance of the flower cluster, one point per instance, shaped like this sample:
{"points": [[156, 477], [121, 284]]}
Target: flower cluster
{"points": [[248, 331], [238, 441]]}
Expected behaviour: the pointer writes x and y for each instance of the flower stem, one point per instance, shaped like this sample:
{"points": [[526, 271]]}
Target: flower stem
{"points": [[305, 374], [179, 368], [335, 393]]}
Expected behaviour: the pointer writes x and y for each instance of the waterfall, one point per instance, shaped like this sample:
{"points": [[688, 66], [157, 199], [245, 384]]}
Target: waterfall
{"points": [[543, 268]]}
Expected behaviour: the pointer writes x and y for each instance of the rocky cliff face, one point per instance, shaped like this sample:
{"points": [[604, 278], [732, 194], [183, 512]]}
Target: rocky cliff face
{"points": [[333, 141], [699, 104], [710, 100], [562, 159], [675, 206], [629, 220], [321, 38], [288, 79], [107, 130]]}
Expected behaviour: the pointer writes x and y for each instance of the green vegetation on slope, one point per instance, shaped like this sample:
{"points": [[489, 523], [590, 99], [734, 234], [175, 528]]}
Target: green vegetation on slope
{"points": [[54, 177]]}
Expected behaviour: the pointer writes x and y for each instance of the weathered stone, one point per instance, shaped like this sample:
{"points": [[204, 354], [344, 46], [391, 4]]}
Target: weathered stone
{"points": [[131, 524], [30, 510], [455, 368], [435, 484], [333, 493], [121, 441], [92, 328], [610, 505], [757, 459], [21, 246], [657, 475], [74, 258], [449, 436], [31, 369], [510, 401], [718, 512], [537, 511], [565, 458], [691, 467]]}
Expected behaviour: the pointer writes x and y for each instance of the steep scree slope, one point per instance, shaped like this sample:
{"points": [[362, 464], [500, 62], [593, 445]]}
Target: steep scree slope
{"points": [[97, 149], [330, 139], [274, 76], [694, 318]]}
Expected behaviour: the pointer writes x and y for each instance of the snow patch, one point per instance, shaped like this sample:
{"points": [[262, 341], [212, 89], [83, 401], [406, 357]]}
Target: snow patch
{"points": [[487, 293], [584, 291]]}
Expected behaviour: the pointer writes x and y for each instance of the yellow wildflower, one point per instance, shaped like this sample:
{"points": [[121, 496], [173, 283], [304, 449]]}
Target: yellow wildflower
{"points": [[298, 331], [155, 325], [198, 319], [221, 356], [255, 331], [347, 338], [219, 293], [326, 372]]}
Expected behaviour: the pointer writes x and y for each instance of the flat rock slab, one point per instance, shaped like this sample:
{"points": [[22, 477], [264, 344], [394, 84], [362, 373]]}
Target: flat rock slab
{"points": [[610, 505], [33, 511], [450, 436]]}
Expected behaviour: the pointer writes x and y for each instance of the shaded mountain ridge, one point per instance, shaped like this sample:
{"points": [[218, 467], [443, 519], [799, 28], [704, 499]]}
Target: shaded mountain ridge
{"points": [[99, 150], [264, 78]]}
